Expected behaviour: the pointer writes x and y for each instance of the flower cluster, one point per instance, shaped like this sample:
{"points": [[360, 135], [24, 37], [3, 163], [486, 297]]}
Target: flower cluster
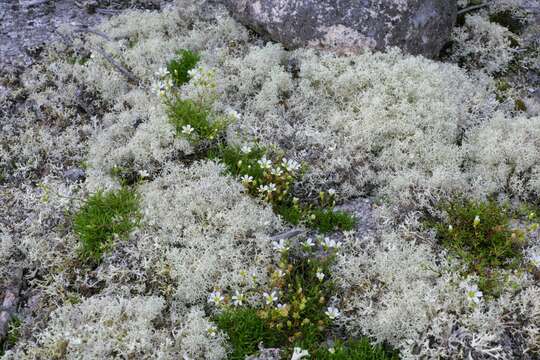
{"points": [[297, 303]]}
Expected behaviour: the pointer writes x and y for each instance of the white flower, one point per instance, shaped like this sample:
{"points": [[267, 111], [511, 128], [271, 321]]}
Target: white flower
{"points": [[270, 188], [331, 350], [535, 260], [144, 174], [187, 129], [276, 171], [246, 149], [279, 273], [281, 306], [280, 245], [450, 228], [234, 114], [290, 165], [320, 275], [476, 221], [331, 192], [212, 330], [308, 243], [299, 353], [265, 163], [473, 294], [195, 74], [216, 298], [158, 88], [330, 244], [238, 298], [162, 72], [246, 179], [332, 312], [270, 298]]}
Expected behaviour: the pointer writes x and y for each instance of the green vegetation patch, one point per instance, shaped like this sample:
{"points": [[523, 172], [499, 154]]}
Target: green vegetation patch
{"points": [[194, 121], [13, 335], [480, 234], [179, 67], [356, 350], [104, 217], [294, 311], [246, 330], [272, 177]]}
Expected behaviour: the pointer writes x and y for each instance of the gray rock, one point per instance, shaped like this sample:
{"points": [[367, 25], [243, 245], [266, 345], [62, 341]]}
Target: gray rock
{"points": [[419, 27], [75, 174]]}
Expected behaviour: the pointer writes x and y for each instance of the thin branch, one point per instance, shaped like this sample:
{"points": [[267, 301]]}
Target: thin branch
{"points": [[471, 8], [129, 75], [95, 32], [108, 11], [287, 235]]}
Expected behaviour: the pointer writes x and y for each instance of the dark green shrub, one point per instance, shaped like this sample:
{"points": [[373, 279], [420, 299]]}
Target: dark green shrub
{"points": [[179, 68], [480, 234], [327, 220], [103, 217]]}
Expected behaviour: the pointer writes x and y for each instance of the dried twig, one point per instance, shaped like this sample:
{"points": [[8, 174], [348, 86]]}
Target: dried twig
{"points": [[287, 235], [108, 11], [129, 75], [95, 32], [471, 8]]}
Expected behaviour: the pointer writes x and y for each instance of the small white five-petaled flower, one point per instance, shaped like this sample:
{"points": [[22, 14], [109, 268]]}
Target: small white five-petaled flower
{"points": [[144, 174], [187, 129], [162, 72], [332, 312], [473, 294], [245, 149], [238, 298], [476, 221], [280, 245], [216, 298], [270, 298], [265, 163], [330, 244], [270, 188], [276, 171], [212, 330], [320, 275], [535, 260], [308, 243], [299, 353], [290, 165], [246, 179], [233, 113]]}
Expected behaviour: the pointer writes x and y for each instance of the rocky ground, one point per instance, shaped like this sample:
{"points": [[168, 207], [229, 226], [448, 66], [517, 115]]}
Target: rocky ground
{"points": [[78, 116]]}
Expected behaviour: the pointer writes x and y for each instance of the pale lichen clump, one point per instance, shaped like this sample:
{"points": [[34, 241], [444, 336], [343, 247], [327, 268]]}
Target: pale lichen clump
{"points": [[406, 130], [482, 44], [204, 231]]}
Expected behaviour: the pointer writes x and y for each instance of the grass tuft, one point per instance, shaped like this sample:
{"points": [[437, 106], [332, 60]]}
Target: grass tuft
{"points": [[104, 217], [179, 68], [245, 331]]}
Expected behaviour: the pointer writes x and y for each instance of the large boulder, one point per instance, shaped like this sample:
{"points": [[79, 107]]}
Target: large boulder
{"points": [[416, 26]]}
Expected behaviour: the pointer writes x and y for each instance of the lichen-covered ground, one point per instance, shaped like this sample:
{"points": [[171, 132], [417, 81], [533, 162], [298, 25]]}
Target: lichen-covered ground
{"points": [[438, 161]]}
